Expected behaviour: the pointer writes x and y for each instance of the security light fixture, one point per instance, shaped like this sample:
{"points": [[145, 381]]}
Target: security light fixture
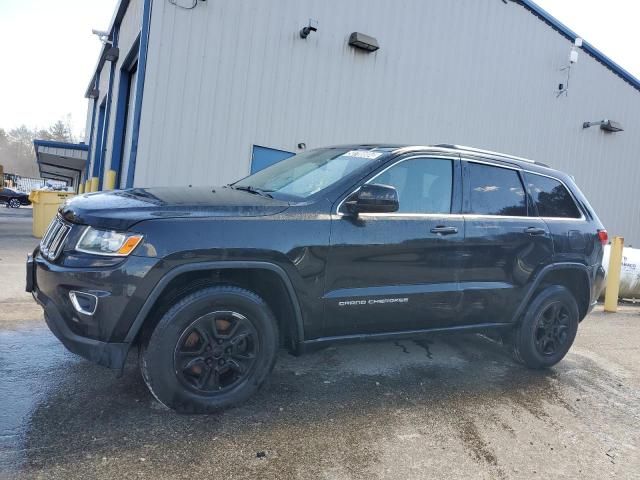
{"points": [[102, 35], [606, 125], [112, 54], [363, 42], [312, 27], [93, 93]]}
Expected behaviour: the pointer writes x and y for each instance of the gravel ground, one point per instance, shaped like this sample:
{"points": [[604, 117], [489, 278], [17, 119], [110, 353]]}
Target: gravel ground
{"points": [[446, 407]]}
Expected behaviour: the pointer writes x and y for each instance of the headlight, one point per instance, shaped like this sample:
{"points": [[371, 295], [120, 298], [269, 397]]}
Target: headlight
{"points": [[107, 242]]}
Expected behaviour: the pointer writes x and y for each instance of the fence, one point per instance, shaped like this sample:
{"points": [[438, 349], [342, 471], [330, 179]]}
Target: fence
{"points": [[26, 184]]}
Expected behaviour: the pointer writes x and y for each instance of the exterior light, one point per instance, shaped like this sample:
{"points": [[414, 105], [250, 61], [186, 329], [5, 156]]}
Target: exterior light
{"points": [[606, 125], [312, 27], [363, 42], [112, 54], [93, 93]]}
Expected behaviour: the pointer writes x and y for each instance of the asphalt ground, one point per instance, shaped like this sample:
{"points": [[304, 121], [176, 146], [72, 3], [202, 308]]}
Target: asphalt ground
{"points": [[446, 407]]}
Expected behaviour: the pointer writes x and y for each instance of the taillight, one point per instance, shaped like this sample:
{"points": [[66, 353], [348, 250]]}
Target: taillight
{"points": [[603, 236]]}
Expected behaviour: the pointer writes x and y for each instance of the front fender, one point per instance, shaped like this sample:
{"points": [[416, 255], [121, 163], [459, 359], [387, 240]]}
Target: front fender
{"points": [[218, 265]]}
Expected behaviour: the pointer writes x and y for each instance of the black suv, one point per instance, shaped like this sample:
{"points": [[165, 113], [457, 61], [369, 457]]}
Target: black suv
{"points": [[340, 244]]}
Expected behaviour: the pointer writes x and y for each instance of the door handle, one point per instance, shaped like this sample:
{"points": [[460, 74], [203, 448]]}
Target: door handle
{"points": [[535, 231], [442, 230]]}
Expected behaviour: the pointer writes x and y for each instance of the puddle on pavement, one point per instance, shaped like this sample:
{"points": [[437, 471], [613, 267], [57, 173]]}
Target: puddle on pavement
{"points": [[30, 359], [61, 410]]}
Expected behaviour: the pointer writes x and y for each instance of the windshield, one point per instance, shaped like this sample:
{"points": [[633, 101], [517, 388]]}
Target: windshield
{"points": [[303, 175]]}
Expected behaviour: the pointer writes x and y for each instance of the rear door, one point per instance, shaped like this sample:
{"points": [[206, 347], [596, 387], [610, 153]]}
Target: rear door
{"points": [[399, 271], [506, 242]]}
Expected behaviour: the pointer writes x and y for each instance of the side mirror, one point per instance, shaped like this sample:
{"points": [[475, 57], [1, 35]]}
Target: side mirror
{"points": [[373, 199]]}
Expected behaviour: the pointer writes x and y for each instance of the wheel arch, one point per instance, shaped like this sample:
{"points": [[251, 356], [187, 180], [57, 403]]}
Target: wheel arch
{"points": [[268, 280], [573, 276]]}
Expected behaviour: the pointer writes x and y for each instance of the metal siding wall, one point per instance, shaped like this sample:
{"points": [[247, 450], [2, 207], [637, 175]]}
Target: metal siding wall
{"points": [[227, 75], [103, 87], [129, 30], [87, 125]]}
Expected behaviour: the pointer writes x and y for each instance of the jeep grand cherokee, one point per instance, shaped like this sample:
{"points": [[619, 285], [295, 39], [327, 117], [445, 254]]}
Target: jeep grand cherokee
{"points": [[340, 244]]}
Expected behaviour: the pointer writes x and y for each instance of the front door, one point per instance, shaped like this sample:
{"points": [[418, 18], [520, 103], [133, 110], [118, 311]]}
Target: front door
{"points": [[506, 243], [399, 271]]}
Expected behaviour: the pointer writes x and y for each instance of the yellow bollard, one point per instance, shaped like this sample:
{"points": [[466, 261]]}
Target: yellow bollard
{"points": [[81, 189], [94, 184], [87, 186], [110, 180], [613, 275]]}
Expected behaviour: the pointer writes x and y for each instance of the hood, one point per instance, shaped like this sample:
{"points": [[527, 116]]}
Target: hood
{"points": [[120, 209]]}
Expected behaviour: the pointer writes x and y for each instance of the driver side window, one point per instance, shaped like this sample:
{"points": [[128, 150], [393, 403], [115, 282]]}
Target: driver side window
{"points": [[424, 185]]}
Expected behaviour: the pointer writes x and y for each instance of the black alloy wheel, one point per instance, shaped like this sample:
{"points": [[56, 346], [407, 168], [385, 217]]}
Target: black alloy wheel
{"points": [[210, 350], [548, 328], [552, 329], [14, 203], [216, 352]]}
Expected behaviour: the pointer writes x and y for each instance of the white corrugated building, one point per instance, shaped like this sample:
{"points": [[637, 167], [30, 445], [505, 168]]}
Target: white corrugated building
{"points": [[204, 92]]}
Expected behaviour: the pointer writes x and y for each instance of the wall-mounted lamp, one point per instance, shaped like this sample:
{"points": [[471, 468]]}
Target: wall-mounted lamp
{"points": [[606, 125], [312, 27], [363, 42], [93, 93], [102, 35], [112, 54], [302, 146]]}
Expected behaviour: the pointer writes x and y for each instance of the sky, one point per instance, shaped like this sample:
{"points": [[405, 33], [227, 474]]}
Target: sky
{"points": [[609, 25], [49, 53]]}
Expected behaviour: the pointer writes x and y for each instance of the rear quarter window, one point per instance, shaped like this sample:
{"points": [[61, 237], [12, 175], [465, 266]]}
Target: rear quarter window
{"points": [[551, 197]]}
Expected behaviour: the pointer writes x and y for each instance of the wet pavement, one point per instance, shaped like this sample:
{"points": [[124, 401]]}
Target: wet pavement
{"points": [[448, 407]]}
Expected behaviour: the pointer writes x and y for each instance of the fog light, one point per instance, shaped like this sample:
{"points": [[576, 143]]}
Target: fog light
{"points": [[85, 303]]}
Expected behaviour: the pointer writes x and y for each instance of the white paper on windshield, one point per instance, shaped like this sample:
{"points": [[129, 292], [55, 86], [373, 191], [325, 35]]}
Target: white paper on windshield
{"points": [[363, 154]]}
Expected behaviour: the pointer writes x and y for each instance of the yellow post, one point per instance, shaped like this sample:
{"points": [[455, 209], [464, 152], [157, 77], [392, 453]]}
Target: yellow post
{"points": [[94, 184], [613, 275], [110, 181], [87, 186], [81, 189]]}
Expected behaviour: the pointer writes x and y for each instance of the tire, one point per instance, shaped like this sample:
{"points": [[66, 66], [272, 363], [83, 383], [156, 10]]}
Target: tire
{"points": [[211, 350], [14, 203], [548, 328]]}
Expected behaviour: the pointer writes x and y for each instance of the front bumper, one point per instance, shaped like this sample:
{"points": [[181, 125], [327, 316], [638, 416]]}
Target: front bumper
{"points": [[108, 354], [99, 337]]}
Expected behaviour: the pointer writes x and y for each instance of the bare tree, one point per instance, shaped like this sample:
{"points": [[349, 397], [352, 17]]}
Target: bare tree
{"points": [[60, 132], [17, 153]]}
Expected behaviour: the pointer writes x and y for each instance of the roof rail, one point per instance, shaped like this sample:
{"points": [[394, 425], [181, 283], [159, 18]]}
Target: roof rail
{"points": [[488, 152]]}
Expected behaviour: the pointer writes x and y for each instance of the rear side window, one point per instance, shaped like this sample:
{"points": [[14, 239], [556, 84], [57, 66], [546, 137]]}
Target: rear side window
{"points": [[496, 191], [551, 197]]}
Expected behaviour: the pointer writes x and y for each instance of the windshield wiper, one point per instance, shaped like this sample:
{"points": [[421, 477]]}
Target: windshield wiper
{"points": [[250, 189]]}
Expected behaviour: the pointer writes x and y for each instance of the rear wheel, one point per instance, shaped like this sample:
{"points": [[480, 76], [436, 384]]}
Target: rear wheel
{"points": [[14, 203], [548, 328], [212, 350]]}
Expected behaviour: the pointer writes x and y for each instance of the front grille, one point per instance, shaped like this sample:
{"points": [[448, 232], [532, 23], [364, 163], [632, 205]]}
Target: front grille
{"points": [[53, 241]]}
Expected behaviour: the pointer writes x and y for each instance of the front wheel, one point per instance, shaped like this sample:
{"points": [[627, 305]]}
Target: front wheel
{"points": [[211, 350], [14, 203], [548, 328]]}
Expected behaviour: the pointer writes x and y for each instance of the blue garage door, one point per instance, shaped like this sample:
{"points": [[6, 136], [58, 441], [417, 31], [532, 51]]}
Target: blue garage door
{"points": [[263, 157]]}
